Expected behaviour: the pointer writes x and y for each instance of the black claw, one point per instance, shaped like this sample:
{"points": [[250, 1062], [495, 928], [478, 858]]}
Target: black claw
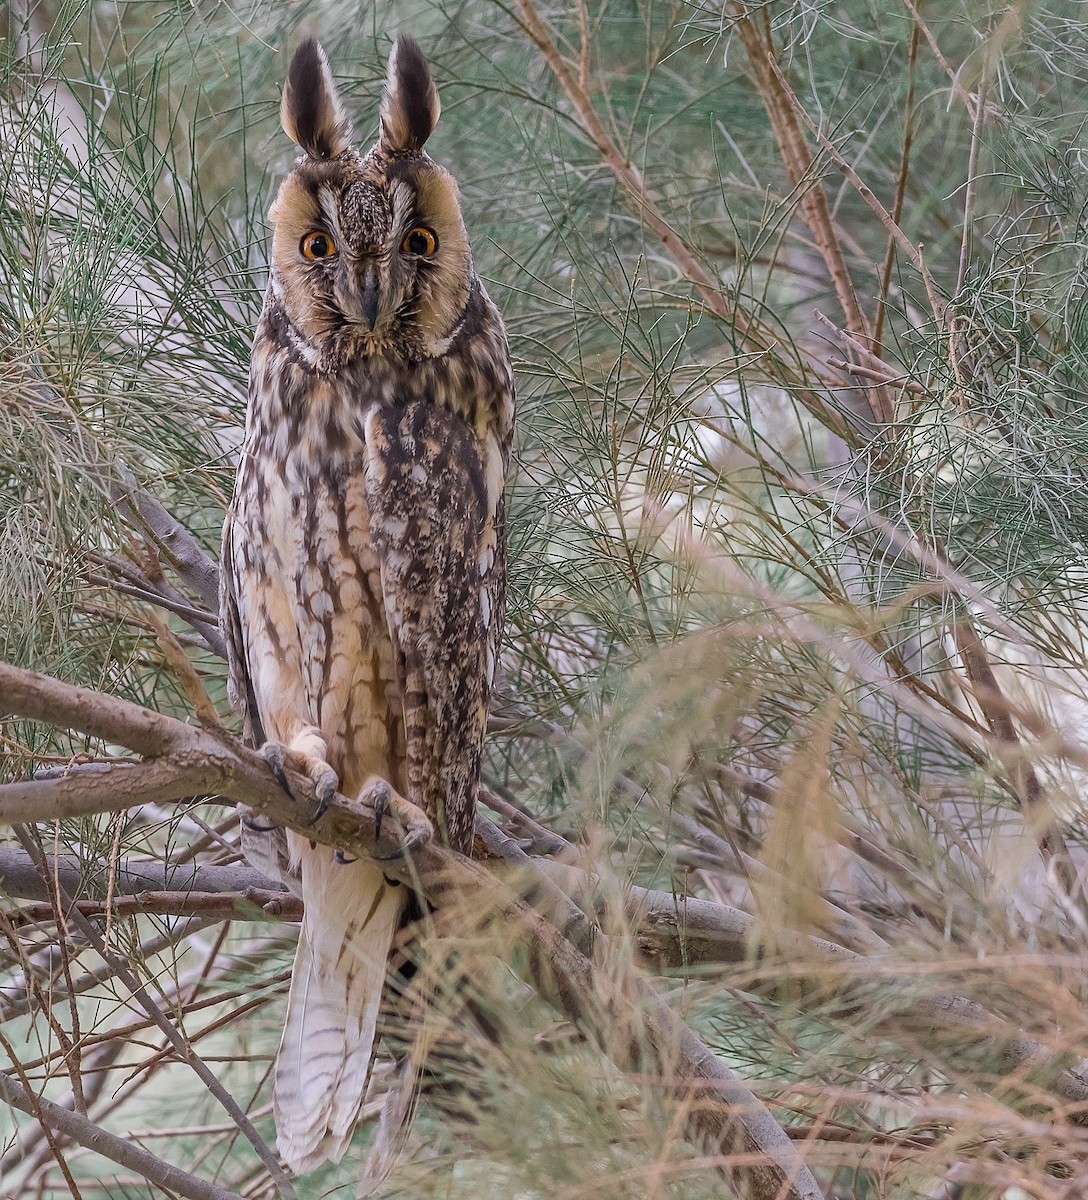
{"points": [[320, 811], [338, 855], [254, 827], [274, 757], [381, 803], [324, 792], [405, 849]]}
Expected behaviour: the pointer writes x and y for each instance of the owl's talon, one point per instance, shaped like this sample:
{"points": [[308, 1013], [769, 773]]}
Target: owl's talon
{"points": [[325, 779], [255, 826], [411, 842], [411, 839], [342, 860], [273, 754], [413, 824], [325, 785], [381, 803]]}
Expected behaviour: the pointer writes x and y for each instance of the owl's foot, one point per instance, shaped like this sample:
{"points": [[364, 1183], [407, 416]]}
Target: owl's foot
{"points": [[413, 824], [323, 777]]}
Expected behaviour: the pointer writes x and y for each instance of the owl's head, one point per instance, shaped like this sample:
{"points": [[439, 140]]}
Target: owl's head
{"points": [[369, 252]]}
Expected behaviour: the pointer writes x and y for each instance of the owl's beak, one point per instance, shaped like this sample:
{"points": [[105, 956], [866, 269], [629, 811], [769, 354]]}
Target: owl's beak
{"points": [[370, 295]]}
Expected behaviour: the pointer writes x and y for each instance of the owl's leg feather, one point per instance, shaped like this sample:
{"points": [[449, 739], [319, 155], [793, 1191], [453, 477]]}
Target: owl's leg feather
{"points": [[413, 824], [306, 753]]}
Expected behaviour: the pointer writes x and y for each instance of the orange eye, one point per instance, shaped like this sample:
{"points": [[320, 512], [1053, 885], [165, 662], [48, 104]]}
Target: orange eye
{"points": [[318, 244], [421, 241]]}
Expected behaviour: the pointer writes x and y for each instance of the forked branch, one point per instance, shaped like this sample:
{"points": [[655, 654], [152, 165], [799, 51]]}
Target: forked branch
{"points": [[165, 1175], [621, 1013]]}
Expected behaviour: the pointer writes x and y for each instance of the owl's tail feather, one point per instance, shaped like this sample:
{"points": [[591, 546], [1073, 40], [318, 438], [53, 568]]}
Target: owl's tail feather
{"points": [[398, 1112], [351, 916], [394, 1125]]}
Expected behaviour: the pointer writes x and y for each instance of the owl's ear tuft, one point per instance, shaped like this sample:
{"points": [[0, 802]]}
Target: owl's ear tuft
{"points": [[311, 112], [410, 106]]}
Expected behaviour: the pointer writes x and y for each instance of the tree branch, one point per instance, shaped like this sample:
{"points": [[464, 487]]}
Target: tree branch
{"points": [[173, 1034], [1037, 811], [192, 562], [619, 1011], [125, 1154], [779, 103]]}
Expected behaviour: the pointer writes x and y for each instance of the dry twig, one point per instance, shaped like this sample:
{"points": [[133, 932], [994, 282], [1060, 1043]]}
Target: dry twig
{"points": [[624, 1016]]}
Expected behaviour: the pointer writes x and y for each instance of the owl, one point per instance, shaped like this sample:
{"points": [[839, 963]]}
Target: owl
{"points": [[364, 563]]}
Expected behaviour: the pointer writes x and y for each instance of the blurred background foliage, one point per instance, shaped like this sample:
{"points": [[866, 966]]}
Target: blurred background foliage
{"points": [[796, 618]]}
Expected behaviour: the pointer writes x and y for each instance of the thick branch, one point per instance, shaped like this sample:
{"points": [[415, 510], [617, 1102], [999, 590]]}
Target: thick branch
{"points": [[623, 1015], [19, 877], [116, 787], [43, 698]]}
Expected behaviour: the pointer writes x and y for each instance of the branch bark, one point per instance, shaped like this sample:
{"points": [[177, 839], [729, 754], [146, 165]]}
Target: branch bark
{"points": [[170, 1178], [779, 103], [619, 1011], [672, 931], [1023, 778], [173, 1034]]}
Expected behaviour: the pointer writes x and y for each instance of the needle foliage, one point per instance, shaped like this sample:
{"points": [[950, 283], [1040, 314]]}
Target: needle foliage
{"points": [[798, 524]]}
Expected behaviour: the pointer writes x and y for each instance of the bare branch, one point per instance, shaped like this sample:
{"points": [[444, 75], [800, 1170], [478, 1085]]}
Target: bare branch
{"points": [[622, 1014], [174, 1036], [147, 515], [1029, 793], [18, 1006], [781, 107], [125, 1154], [116, 788], [189, 558], [672, 930], [19, 876], [255, 904], [43, 698]]}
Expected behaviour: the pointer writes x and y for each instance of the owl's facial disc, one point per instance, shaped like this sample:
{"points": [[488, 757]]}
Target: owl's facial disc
{"points": [[370, 253]]}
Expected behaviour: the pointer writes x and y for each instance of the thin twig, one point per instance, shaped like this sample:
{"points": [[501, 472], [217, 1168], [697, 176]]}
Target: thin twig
{"points": [[900, 194], [173, 1035], [622, 1014], [631, 179], [1038, 813], [860, 186], [782, 109], [969, 190], [953, 77], [125, 1154]]}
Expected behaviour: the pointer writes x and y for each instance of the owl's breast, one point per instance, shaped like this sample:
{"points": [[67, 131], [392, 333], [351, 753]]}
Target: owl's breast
{"points": [[318, 596]]}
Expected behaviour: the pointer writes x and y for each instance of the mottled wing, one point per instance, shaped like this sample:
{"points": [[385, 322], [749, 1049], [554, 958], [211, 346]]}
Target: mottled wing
{"points": [[239, 683], [264, 845], [434, 491]]}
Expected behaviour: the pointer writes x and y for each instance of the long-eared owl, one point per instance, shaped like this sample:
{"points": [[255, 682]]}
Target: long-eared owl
{"points": [[364, 564]]}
